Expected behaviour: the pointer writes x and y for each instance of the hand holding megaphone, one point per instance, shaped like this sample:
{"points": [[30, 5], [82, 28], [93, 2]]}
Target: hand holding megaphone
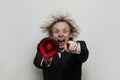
{"points": [[47, 59]]}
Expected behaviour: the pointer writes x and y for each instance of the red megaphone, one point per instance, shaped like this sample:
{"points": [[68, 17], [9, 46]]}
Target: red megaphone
{"points": [[48, 47]]}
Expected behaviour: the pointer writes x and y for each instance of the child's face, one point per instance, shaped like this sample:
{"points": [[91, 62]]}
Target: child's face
{"points": [[61, 33]]}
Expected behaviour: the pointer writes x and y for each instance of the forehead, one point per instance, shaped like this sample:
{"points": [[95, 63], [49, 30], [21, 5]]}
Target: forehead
{"points": [[61, 26]]}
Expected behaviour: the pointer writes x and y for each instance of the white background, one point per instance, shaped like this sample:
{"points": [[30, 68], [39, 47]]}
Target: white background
{"points": [[20, 21]]}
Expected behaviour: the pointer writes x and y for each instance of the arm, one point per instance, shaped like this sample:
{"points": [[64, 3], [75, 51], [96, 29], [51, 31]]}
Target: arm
{"points": [[78, 49], [40, 61], [84, 53]]}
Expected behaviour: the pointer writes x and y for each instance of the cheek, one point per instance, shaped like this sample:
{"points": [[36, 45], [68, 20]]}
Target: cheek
{"points": [[67, 39], [67, 36], [54, 35]]}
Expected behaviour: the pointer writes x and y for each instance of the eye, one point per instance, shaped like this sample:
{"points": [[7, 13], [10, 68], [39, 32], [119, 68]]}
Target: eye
{"points": [[55, 31], [65, 31]]}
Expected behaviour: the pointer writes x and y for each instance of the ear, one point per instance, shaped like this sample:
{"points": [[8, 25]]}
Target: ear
{"points": [[50, 35], [71, 35]]}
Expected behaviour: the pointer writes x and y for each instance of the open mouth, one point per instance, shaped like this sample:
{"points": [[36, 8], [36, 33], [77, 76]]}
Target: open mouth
{"points": [[61, 42]]}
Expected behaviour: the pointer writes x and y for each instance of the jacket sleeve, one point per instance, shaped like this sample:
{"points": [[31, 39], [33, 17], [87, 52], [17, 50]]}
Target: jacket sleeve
{"points": [[83, 56], [38, 58]]}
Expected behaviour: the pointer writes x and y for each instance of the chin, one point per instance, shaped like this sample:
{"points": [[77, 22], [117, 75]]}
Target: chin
{"points": [[61, 46]]}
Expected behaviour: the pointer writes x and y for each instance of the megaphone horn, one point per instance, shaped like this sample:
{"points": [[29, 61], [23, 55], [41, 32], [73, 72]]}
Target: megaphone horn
{"points": [[48, 47]]}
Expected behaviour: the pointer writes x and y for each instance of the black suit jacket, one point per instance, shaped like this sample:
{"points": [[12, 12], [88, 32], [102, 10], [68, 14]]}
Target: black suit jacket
{"points": [[67, 68]]}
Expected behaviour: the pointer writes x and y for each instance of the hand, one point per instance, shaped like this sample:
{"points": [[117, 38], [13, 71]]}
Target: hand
{"points": [[71, 46], [47, 60]]}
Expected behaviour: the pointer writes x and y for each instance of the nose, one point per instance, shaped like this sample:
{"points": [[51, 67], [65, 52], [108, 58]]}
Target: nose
{"points": [[60, 35]]}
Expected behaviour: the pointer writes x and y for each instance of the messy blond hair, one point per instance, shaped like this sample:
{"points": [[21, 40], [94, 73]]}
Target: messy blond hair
{"points": [[47, 27]]}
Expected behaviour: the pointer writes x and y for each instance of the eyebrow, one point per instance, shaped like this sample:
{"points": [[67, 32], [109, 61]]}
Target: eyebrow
{"points": [[58, 29]]}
